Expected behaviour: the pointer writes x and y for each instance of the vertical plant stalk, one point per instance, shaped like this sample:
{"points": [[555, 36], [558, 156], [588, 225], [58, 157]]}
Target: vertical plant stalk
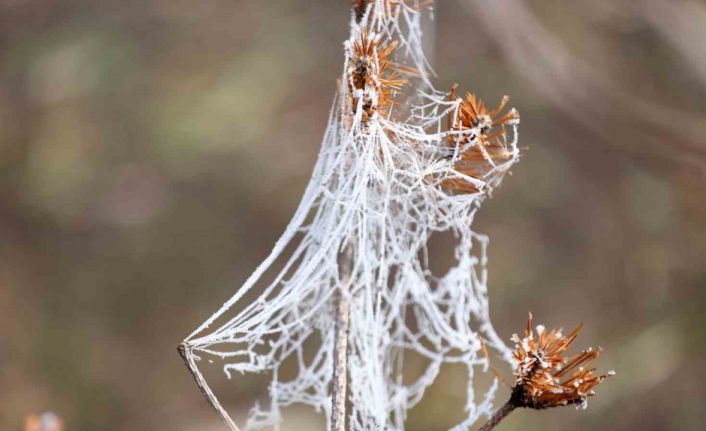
{"points": [[498, 416], [188, 358], [340, 352]]}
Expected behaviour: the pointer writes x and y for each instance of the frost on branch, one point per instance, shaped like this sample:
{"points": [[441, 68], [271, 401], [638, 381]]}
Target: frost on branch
{"points": [[400, 161]]}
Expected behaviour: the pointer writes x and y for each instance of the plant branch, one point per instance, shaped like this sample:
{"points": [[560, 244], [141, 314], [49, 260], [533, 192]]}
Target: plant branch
{"points": [[340, 352], [498, 416], [188, 358]]}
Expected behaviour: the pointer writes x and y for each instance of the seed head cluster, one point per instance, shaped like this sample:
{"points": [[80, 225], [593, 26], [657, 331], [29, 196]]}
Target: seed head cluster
{"points": [[476, 133]]}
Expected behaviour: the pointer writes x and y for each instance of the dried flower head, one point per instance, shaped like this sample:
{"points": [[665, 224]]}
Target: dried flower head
{"points": [[372, 76], [479, 133], [544, 377]]}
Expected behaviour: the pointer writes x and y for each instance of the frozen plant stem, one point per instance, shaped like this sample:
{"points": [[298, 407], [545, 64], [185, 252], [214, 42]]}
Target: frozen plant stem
{"points": [[188, 358], [340, 353], [498, 416]]}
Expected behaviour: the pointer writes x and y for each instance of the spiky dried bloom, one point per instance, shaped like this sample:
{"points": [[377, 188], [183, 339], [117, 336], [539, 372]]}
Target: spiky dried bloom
{"points": [[479, 134], [373, 78], [545, 377]]}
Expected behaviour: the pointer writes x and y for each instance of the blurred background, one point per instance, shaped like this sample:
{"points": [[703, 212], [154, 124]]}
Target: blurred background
{"points": [[151, 151]]}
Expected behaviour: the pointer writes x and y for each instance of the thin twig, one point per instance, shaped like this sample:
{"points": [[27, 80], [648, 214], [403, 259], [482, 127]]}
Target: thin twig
{"points": [[340, 353], [188, 357], [498, 416]]}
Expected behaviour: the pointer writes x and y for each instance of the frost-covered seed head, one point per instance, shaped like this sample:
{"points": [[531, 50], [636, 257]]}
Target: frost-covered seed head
{"points": [[373, 79], [545, 377], [481, 133]]}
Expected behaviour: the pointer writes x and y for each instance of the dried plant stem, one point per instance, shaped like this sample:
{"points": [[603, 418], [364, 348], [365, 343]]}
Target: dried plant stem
{"points": [[340, 353], [498, 416], [188, 358]]}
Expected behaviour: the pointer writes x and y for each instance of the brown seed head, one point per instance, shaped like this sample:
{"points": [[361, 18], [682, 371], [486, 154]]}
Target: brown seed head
{"points": [[544, 376], [480, 131], [373, 74]]}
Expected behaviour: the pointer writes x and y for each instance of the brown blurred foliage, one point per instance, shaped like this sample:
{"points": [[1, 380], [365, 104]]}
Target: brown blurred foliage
{"points": [[151, 151]]}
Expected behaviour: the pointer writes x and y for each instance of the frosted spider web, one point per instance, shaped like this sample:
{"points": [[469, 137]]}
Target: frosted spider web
{"points": [[376, 190]]}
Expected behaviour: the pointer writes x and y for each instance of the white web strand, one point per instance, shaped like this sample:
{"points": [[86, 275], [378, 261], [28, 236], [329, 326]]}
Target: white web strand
{"points": [[377, 187]]}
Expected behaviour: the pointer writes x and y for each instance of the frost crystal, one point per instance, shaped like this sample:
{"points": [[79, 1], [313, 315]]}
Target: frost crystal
{"points": [[400, 161]]}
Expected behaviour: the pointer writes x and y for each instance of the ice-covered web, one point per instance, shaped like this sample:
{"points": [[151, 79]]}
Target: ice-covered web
{"points": [[377, 191]]}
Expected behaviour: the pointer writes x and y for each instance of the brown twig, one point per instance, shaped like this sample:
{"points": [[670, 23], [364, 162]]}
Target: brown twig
{"points": [[188, 358], [498, 416]]}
